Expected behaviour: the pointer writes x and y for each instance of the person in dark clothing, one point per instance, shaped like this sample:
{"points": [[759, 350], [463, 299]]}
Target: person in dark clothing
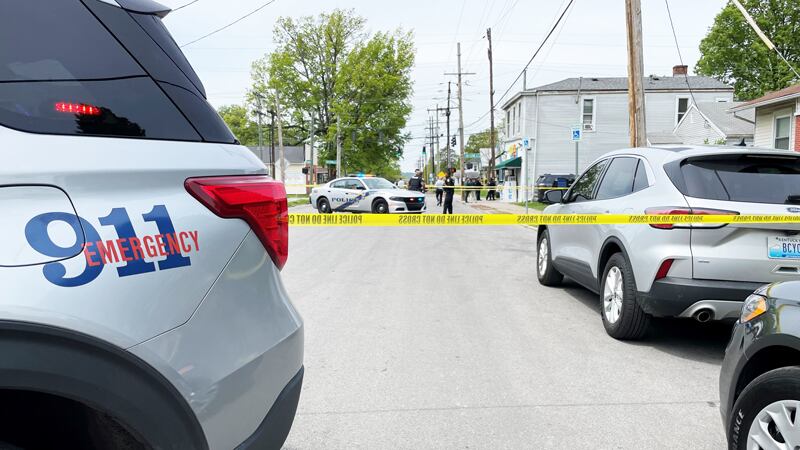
{"points": [[492, 184], [478, 185], [468, 185], [449, 190], [416, 183]]}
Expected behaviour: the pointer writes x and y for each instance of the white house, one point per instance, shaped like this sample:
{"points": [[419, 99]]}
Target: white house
{"points": [[714, 123], [545, 115], [295, 158], [777, 116]]}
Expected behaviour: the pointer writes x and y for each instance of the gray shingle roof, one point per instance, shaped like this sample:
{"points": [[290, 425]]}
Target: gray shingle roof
{"points": [[651, 83], [662, 138], [741, 124], [295, 155]]}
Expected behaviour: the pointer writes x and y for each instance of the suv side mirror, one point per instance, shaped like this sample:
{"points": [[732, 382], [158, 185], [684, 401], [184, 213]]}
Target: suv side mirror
{"points": [[555, 196]]}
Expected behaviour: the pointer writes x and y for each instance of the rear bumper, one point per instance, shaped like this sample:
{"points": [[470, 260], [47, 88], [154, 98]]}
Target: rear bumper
{"points": [[681, 297], [273, 430]]}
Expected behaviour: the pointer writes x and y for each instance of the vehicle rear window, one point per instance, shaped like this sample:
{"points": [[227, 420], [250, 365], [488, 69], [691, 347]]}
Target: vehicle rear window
{"points": [[743, 178], [61, 40], [129, 107], [67, 74]]}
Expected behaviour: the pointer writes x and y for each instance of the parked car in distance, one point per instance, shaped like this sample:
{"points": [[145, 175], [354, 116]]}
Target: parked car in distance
{"points": [[760, 377], [550, 180], [366, 195], [703, 271]]}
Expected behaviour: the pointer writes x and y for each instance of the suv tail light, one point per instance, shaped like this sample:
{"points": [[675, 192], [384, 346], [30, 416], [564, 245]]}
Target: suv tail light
{"points": [[684, 211], [257, 199]]}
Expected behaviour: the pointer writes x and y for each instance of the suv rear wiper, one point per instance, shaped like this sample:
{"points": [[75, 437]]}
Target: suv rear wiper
{"points": [[793, 200]]}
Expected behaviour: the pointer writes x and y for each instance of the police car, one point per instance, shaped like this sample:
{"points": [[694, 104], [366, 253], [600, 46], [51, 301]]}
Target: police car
{"points": [[366, 195], [140, 246]]}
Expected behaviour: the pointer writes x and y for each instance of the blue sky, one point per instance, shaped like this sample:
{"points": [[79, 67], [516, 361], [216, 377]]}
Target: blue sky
{"points": [[590, 43]]}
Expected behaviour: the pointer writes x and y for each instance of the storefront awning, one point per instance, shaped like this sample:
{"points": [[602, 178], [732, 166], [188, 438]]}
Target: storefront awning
{"points": [[513, 163]]}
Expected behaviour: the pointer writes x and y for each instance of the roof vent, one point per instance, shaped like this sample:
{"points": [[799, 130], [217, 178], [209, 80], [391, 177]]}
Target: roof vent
{"points": [[595, 79]]}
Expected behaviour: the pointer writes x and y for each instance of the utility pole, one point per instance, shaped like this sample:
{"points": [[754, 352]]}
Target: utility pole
{"points": [[460, 111], [272, 142], [260, 134], [433, 150], [638, 126], [280, 138], [312, 171], [490, 172], [447, 143]]}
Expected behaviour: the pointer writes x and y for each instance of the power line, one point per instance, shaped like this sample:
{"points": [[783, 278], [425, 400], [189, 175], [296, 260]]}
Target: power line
{"points": [[680, 55], [185, 5], [522, 72], [230, 24]]}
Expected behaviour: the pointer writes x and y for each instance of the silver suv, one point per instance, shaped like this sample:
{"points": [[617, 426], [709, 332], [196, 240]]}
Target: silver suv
{"points": [[141, 246], [704, 271]]}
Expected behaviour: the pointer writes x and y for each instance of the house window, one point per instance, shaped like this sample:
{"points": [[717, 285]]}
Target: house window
{"points": [[588, 114], [683, 106], [508, 123], [783, 127], [519, 118]]}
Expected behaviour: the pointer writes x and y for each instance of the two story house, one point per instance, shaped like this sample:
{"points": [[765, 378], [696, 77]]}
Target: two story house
{"points": [[545, 116]]}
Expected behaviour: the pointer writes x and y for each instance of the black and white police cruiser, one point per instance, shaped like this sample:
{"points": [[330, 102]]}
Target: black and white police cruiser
{"points": [[366, 195]]}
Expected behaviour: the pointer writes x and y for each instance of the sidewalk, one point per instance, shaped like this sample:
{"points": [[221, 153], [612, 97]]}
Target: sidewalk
{"points": [[498, 207]]}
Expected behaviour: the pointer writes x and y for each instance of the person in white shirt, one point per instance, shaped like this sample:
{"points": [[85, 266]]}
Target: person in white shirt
{"points": [[439, 191]]}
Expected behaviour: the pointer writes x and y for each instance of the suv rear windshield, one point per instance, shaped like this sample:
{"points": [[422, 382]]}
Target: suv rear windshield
{"points": [[90, 68], [742, 178]]}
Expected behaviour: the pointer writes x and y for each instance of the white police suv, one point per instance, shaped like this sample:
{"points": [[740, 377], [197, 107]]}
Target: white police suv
{"points": [[140, 246]]}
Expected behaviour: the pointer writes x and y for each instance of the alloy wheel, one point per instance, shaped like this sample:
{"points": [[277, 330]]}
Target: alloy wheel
{"points": [[613, 294], [543, 255]]}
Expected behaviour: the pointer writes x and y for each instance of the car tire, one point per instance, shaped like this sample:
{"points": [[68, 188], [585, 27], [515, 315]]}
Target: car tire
{"points": [[777, 388], [623, 318], [380, 207], [323, 206], [545, 272]]}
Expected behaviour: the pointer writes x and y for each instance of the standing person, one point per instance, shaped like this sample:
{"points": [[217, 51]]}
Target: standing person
{"points": [[439, 185], [415, 183], [492, 185], [449, 190], [478, 187], [467, 185], [401, 184]]}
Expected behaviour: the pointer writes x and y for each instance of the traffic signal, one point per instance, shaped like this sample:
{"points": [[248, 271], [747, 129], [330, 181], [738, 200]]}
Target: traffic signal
{"points": [[423, 150], [453, 142]]}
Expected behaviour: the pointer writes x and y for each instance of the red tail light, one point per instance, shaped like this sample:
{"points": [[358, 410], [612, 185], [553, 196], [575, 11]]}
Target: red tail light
{"points": [[77, 108], [257, 199], [681, 211]]}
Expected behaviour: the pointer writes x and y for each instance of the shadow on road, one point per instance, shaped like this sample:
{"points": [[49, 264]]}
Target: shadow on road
{"points": [[684, 338]]}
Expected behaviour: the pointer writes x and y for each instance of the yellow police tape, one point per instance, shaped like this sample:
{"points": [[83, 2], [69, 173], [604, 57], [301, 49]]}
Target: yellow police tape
{"points": [[461, 188], [408, 220]]}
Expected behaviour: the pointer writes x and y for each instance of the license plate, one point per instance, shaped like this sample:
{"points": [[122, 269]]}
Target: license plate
{"points": [[784, 248]]}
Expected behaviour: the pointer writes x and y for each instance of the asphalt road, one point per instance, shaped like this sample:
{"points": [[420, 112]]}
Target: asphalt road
{"points": [[443, 338]]}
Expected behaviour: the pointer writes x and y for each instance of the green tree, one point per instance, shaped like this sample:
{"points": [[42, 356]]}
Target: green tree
{"points": [[330, 71], [733, 53], [478, 141], [238, 120]]}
